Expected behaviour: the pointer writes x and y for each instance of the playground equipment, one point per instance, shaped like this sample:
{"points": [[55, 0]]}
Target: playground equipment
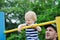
{"points": [[2, 26], [3, 32]]}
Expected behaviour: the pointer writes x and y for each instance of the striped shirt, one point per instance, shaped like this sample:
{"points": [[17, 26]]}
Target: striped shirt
{"points": [[32, 33]]}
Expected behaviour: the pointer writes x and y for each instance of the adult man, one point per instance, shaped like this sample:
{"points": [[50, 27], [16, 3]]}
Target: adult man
{"points": [[51, 32]]}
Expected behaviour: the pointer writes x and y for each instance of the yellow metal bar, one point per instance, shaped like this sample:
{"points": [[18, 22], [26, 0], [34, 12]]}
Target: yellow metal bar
{"points": [[35, 25], [58, 26]]}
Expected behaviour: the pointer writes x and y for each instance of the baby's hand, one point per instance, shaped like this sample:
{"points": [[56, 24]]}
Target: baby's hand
{"points": [[20, 27], [38, 28]]}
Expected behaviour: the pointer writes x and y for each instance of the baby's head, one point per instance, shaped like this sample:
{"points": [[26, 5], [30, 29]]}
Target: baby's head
{"points": [[30, 17]]}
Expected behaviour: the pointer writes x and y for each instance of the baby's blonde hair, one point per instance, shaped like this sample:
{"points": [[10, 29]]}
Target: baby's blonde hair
{"points": [[31, 14]]}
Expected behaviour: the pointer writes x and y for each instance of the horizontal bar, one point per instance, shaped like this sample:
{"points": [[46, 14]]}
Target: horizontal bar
{"points": [[35, 25]]}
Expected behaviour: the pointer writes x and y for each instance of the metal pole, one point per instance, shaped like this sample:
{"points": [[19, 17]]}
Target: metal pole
{"points": [[58, 26], [2, 26], [35, 25]]}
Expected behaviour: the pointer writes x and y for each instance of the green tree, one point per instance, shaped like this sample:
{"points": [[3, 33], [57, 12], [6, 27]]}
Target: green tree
{"points": [[46, 10]]}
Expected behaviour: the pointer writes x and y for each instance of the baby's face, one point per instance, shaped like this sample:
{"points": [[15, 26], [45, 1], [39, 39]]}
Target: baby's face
{"points": [[29, 21]]}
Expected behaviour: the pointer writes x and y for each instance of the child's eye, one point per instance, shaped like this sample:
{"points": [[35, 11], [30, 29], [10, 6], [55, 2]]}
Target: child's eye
{"points": [[28, 20]]}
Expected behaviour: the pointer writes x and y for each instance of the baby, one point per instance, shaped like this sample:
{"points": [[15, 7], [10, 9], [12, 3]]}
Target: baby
{"points": [[30, 19]]}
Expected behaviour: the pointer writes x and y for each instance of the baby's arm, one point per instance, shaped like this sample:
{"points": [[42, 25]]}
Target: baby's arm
{"points": [[20, 27], [38, 28]]}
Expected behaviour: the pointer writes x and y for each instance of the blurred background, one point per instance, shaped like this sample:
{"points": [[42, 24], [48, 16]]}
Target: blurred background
{"points": [[15, 10]]}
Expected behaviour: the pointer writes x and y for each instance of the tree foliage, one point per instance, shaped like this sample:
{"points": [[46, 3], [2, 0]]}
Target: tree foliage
{"points": [[46, 10]]}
